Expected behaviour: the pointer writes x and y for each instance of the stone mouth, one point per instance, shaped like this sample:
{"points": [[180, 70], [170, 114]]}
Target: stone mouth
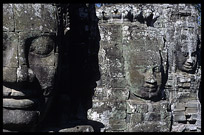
{"points": [[21, 98], [150, 88], [20, 103], [187, 67], [15, 90]]}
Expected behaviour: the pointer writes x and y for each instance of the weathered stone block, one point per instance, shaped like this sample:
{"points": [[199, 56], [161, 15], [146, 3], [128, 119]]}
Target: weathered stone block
{"points": [[100, 93], [191, 127], [186, 85], [114, 52], [109, 105], [191, 104], [80, 128], [178, 128], [152, 116], [136, 118], [155, 107], [118, 83], [134, 106], [8, 20], [186, 96], [183, 80], [10, 49], [192, 117], [105, 80], [23, 46], [13, 119], [180, 107], [117, 72], [110, 34], [119, 94], [179, 117], [9, 74], [117, 124], [190, 110], [149, 127], [41, 15]]}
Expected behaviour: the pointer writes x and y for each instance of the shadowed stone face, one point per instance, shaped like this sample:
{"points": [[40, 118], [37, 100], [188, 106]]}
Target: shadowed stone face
{"points": [[186, 54], [144, 64], [29, 63], [145, 80]]}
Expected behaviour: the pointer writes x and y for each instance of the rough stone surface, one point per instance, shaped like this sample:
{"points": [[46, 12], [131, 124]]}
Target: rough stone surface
{"points": [[134, 36], [29, 63], [148, 56]]}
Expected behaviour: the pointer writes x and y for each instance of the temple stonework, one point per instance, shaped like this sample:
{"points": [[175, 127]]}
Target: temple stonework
{"points": [[113, 68], [133, 38]]}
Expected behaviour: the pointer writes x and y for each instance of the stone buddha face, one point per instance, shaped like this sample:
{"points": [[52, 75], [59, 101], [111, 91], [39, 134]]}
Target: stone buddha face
{"points": [[145, 78], [186, 55], [29, 63], [144, 65]]}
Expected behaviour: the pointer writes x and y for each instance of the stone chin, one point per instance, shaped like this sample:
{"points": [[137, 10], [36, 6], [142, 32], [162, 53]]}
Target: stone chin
{"points": [[21, 107], [186, 68], [19, 119], [146, 92]]}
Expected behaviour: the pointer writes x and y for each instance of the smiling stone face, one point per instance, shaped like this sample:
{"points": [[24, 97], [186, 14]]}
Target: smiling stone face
{"points": [[145, 79], [144, 63], [29, 63], [186, 53]]}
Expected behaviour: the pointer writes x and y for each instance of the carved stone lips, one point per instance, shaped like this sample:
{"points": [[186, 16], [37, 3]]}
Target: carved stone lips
{"points": [[150, 88], [10, 92], [187, 66], [19, 103], [20, 99]]}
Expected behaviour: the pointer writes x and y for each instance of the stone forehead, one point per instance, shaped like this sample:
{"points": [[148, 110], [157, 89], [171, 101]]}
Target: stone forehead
{"points": [[146, 58], [34, 17], [186, 47], [147, 42]]}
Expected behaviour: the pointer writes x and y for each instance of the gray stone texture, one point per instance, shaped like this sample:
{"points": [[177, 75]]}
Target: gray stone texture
{"points": [[29, 62], [133, 34], [149, 61]]}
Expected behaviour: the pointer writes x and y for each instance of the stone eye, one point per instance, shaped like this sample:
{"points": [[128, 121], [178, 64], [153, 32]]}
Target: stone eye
{"points": [[42, 45], [193, 54], [156, 69], [185, 54]]}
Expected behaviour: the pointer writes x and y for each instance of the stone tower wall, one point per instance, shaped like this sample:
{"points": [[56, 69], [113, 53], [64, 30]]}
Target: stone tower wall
{"points": [[127, 32]]}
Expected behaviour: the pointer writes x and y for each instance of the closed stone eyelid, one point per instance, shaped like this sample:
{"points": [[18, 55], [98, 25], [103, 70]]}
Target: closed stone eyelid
{"points": [[48, 48]]}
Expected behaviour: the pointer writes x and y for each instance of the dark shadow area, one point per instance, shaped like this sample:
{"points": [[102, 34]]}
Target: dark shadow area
{"points": [[78, 70], [149, 20]]}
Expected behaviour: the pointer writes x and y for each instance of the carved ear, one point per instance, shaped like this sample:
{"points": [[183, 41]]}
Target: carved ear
{"points": [[163, 55], [177, 46], [198, 41]]}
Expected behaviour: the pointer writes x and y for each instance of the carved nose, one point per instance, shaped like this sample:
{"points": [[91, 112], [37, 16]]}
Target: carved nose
{"points": [[151, 79], [189, 61], [25, 74]]}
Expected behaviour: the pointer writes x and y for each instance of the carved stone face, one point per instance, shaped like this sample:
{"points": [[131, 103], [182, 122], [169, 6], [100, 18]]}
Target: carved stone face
{"points": [[187, 50], [186, 56], [146, 80], [29, 63], [143, 65]]}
